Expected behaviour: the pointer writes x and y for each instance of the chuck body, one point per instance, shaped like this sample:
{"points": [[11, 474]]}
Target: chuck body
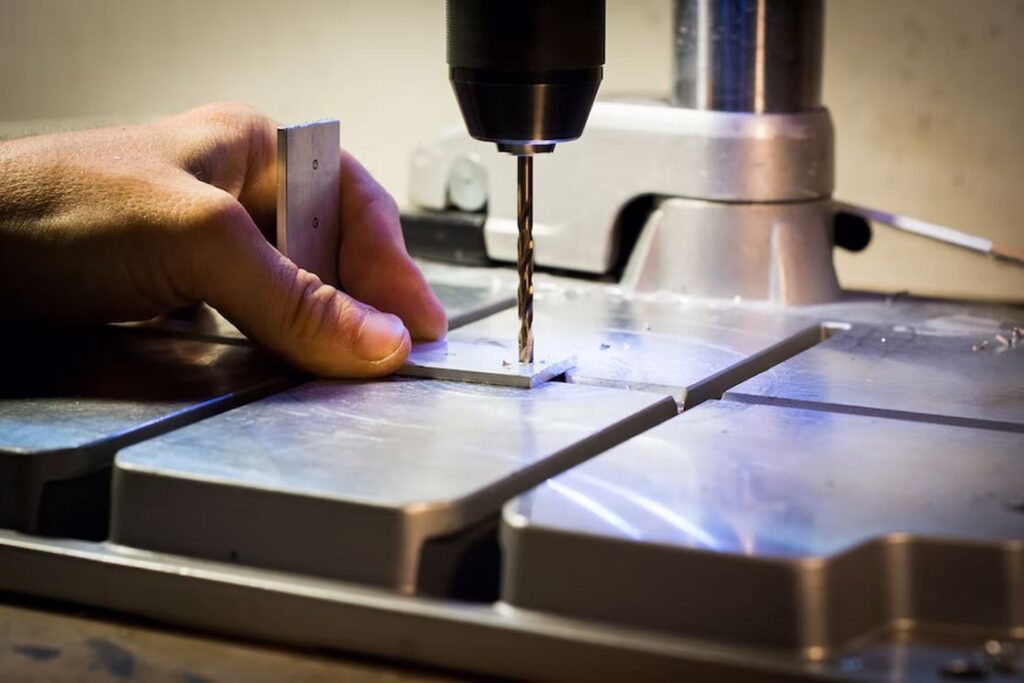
{"points": [[525, 72]]}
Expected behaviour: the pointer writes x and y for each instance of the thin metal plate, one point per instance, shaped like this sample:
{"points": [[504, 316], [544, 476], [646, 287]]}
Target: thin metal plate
{"points": [[482, 363], [899, 372], [779, 527], [69, 400], [349, 479], [309, 196], [691, 351]]}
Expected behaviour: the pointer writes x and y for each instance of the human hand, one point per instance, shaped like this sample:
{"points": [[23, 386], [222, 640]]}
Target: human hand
{"points": [[128, 223]]}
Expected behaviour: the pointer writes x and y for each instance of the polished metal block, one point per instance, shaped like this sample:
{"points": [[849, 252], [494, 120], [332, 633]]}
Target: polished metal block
{"points": [[779, 527], [69, 400], [350, 479], [974, 380], [482, 363], [309, 196], [691, 351]]}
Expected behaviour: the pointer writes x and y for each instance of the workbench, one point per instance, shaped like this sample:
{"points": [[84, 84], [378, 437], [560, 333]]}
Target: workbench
{"points": [[718, 489]]}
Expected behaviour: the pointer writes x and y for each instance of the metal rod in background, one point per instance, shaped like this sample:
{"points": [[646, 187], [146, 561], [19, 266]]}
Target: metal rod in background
{"points": [[524, 202], [939, 233]]}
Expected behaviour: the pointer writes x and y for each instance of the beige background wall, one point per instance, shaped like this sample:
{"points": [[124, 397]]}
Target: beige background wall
{"points": [[927, 95]]}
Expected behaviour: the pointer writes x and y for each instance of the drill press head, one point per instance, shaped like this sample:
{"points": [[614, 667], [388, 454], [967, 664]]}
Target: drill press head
{"points": [[525, 73]]}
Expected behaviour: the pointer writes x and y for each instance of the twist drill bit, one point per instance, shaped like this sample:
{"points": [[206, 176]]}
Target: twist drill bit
{"points": [[524, 201]]}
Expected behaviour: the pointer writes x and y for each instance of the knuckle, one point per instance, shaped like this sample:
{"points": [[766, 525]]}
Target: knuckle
{"points": [[316, 309], [215, 212], [231, 113]]}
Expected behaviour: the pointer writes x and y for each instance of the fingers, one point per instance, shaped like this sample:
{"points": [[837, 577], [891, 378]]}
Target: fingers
{"points": [[373, 264], [314, 326]]}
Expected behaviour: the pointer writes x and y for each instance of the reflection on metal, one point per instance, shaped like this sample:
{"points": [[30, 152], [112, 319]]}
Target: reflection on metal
{"points": [[349, 480], [482, 363], [804, 530], [600, 511], [748, 56], [973, 381]]}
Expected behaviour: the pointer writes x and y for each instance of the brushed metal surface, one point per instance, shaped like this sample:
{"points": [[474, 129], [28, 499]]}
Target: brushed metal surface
{"points": [[974, 380], [349, 479], [779, 527], [692, 351], [309, 196], [69, 400], [481, 363]]}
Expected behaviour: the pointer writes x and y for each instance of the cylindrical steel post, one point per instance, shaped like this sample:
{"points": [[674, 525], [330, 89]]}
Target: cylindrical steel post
{"points": [[760, 56]]}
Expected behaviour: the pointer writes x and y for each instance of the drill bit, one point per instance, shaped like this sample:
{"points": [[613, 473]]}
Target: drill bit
{"points": [[524, 202]]}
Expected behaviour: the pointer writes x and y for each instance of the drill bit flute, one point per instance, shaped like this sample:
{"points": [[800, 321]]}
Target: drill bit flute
{"points": [[524, 204]]}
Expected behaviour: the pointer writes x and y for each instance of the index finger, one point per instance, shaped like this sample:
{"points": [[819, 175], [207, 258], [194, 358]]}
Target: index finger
{"points": [[373, 264]]}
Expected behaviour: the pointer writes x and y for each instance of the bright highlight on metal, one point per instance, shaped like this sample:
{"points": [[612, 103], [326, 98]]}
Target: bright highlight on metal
{"points": [[524, 203]]}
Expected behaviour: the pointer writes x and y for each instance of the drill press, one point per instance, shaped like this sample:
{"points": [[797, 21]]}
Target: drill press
{"points": [[525, 75]]}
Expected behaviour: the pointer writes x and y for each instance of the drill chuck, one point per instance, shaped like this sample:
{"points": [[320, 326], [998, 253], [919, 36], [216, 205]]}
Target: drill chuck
{"points": [[525, 72]]}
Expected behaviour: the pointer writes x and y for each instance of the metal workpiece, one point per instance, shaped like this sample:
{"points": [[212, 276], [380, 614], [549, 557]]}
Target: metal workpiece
{"points": [[783, 528], [780, 253], [692, 351], [482, 363], [350, 480], [309, 196], [972, 380], [757, 57], [69, 401]]}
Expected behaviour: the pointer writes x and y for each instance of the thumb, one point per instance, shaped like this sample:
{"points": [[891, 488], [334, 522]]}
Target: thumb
{"points": [[289, 310]]}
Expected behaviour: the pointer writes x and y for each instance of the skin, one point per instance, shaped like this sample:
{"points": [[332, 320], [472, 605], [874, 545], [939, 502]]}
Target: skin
{"points": [[133, 222]]}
